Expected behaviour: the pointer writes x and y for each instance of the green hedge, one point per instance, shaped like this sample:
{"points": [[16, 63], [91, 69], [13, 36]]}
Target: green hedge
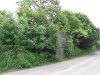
{"points": [[32, 38]]}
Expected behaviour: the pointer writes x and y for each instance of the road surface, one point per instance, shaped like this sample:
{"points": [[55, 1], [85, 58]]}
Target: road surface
{"points": [[88, 65]]}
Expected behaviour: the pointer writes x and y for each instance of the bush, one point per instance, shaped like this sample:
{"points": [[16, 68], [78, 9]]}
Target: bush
{"points": [[71, 50], [27, 59], [7, 60], [32, 38], [23, 59]]}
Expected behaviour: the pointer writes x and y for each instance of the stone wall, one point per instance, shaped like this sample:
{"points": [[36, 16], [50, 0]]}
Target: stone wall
{"points": [[61, 45]]}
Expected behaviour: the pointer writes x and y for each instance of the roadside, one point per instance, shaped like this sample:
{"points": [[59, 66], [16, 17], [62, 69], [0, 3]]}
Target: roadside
{"points": [[59, 67]]}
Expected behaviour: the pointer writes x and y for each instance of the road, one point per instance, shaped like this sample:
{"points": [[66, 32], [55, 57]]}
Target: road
{"points": [[87, 65]]}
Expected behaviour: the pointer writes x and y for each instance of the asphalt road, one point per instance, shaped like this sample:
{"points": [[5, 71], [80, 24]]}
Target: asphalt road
{"points": [[88, 65]]}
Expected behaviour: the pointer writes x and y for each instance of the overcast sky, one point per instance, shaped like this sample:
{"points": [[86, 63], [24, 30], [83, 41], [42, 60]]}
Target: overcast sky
{"points": [[89, 7]]}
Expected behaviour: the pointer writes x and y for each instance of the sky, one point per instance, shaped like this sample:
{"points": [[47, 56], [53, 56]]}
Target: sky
{"points": [[88, 7]]}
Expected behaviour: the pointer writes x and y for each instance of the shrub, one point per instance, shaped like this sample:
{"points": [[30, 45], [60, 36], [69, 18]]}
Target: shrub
{"points": [[7, 60], [32, 38], [23, 59]]}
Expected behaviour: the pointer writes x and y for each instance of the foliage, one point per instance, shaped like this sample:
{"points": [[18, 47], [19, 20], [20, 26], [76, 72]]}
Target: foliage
{"points": [[90, 29], [51, 7], [97, 44], [24, 59], [32, 38], [8, 31]]}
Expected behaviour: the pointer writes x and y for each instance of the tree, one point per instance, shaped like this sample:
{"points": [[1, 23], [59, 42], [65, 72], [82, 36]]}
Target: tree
{"points": [[8, 31], [89, 27], [51, 7]]}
